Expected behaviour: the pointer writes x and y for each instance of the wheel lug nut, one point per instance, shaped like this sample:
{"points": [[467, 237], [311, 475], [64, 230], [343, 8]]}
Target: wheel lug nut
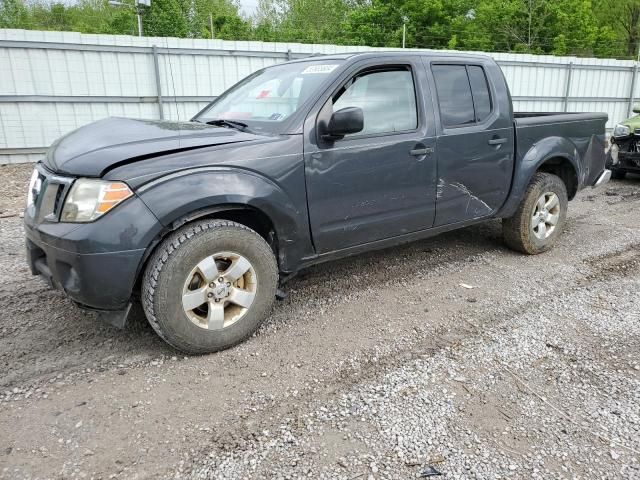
{"points": [[212, 285], [217, 300], [228, 284], [221, 279], [209, 295]]}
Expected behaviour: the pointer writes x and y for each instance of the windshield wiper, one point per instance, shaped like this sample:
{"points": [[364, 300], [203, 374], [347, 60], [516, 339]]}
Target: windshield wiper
{"points": [[221, 122]]}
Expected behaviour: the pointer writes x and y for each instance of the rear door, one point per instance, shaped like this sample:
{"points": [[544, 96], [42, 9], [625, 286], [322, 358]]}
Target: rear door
{"points": [[378, 183], [475, 144]]}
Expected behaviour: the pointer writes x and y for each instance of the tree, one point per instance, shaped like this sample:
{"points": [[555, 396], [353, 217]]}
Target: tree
{"points": [[622, 17], [428, 24], [165, 18], [13, 14], [311, 21], [561, 27], [225, 16]]}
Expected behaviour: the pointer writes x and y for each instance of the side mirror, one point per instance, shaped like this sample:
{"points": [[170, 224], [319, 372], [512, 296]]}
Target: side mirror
{"points": [[344, 122], [636, 108]]}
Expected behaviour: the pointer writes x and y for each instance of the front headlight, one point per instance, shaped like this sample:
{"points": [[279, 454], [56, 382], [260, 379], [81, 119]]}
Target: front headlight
{"points": [[35, 184], [614, 150], [90, 199], [621, 131]]}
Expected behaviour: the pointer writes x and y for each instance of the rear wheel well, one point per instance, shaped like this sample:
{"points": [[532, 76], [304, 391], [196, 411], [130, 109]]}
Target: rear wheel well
{"points": [[561, 167], [244, 215]]}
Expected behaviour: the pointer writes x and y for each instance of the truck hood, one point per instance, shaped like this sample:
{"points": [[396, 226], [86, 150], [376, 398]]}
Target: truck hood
{"points": [[93, 149]]}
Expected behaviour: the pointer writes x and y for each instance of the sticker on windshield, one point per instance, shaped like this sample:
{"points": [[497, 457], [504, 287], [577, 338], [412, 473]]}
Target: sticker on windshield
{"points": [[319, 69]]}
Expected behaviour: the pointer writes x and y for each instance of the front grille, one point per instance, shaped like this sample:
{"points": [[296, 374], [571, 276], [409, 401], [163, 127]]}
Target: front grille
{"points": [[50, 200], [628, 160], [57, 203]]}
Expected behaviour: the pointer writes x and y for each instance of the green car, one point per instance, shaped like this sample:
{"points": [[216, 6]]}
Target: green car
{"points": [[624, 154]]}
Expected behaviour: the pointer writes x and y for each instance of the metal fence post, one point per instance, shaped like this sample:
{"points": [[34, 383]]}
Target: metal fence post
{"points": [[289, 56], [156, 68], [567, 88], [633, 89]]}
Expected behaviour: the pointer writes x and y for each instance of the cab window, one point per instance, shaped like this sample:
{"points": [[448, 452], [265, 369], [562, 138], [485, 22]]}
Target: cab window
{"points": [[463, 92], [480, 92], [387, 99]]}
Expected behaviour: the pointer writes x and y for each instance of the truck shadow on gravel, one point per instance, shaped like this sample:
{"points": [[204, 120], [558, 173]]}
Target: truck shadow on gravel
{"points": [[43, 335], [409, 259]]}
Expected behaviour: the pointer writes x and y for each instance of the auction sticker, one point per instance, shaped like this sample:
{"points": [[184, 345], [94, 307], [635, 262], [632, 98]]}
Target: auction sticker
{"points": [[319, 69]]}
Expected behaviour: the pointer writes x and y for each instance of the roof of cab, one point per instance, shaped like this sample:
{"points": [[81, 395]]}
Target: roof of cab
{"points": [[391, 53]]}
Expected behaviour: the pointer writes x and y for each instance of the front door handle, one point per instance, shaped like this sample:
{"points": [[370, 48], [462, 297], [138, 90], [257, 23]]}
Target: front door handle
{"points": [[421, 151], [497, 141]]}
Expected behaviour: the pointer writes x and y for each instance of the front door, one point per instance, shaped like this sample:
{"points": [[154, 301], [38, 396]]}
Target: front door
{"points": [[380, 182], [475, 148]]}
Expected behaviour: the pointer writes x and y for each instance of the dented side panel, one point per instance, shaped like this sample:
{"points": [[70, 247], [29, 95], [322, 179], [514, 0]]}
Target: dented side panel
{"points": [[473, 176], [475, 162]]}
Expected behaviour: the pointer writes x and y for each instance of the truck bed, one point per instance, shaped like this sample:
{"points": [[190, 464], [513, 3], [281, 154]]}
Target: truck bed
{"points": [[564, 135]]}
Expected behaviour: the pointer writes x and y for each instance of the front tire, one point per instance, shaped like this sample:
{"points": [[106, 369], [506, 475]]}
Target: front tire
{"points": [[540, 217], [209, 286]]}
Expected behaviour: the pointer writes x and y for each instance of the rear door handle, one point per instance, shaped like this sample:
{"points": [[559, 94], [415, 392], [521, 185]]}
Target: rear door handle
{"points": [[497, 141], [421, 151]]}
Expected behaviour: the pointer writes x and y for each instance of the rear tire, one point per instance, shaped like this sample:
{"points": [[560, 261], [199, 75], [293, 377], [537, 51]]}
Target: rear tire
{"points": [[618, 174], [540, 217], [209, 286]]}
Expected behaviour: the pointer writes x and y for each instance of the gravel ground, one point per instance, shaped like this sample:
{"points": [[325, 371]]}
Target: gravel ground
{"points": [[379, 366]]}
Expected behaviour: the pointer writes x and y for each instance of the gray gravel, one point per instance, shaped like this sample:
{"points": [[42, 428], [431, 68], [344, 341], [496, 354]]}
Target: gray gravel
{"points": [[548, 389], [375, 367]]}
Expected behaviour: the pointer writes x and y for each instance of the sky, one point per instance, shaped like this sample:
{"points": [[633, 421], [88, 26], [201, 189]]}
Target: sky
{"points": [[249, 6]]}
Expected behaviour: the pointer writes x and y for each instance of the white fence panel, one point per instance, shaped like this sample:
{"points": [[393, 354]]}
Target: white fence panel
{"points": [[54, 82]]}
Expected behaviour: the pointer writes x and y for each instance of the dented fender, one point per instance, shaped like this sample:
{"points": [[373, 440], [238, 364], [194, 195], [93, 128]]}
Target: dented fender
{"points": [[531, 160], [208, 189]]}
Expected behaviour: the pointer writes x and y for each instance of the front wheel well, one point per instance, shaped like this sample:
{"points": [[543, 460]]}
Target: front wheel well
{"points": [[249, 217], [562, 168], [242, 214]]}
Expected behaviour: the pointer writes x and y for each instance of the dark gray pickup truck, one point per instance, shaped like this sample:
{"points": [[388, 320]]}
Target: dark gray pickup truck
{"points": [[298, 163]]}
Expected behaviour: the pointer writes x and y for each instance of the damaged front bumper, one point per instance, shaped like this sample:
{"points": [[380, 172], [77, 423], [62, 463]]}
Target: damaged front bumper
{"points": [[96, 264], [624, 154], [84, 278]]}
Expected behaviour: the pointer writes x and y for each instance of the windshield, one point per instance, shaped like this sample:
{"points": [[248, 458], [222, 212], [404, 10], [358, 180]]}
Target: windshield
{"points": [[268, 97]]}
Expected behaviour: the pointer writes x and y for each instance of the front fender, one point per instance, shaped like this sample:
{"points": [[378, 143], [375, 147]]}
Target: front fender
{"points": [[179, 195], [528, 164]]}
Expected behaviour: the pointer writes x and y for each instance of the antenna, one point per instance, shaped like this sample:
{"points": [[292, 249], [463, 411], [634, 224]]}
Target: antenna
{"points": [[173, 85]]}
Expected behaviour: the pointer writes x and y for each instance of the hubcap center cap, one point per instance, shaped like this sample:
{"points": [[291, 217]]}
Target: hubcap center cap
{"points": [[220, 291]]}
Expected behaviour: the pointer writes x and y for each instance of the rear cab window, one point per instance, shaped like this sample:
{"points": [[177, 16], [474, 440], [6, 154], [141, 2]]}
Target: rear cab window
{"points": [[480, 92], [463, 94]]}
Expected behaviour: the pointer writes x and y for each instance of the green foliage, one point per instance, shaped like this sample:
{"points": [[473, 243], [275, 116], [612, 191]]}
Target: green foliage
{"points": [[172, 18], [13, 14], [166, 18], [559, 27], [623, 19], [538, 26]]}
